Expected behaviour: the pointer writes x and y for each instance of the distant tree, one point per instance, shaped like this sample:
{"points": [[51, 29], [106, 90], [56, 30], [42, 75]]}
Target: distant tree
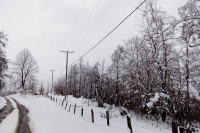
{"points": [[41, 90], [48, 87], [59, 85], [3, 59], [117, 70], [73, 80], [25, 68], [81, 73]]}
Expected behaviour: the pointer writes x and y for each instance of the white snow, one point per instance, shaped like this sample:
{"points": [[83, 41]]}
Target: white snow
{"points": [[47, 116], [153, 100], [11, 120], [2, 102], [194, 92]]}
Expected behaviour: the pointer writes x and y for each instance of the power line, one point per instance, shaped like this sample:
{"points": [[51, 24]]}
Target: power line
{"points": [[110, 31], [97, 21], [76, 18], [91, 14]]}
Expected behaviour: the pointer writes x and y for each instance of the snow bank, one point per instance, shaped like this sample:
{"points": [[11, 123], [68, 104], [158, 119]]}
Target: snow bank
{"points": [[2, 102]]}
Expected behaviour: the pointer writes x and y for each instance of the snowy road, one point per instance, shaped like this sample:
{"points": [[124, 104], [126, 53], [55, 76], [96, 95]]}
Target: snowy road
{"points": [[19, 116], [48, 117], [6, 110], [23, 126]]}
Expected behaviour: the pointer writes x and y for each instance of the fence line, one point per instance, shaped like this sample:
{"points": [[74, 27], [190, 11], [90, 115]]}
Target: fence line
{"points": [[92, 115]]}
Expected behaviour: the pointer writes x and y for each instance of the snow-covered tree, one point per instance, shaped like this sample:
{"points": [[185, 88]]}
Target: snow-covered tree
{"points": [[3, 59], [25, 69]]}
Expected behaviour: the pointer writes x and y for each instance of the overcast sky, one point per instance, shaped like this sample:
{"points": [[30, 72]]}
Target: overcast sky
{"points": [[43, 26]]}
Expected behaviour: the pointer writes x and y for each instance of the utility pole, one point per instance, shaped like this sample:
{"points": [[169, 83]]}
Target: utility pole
{"points": [[67, 53], [52, 80]]}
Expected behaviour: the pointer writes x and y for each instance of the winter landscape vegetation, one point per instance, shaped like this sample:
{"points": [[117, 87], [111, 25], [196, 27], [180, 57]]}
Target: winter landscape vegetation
{"points": [[149, 83]]}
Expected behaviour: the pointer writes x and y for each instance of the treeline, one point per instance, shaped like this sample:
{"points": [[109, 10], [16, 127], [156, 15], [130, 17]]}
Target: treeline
{"points": [[156, 73], [3, 61]]}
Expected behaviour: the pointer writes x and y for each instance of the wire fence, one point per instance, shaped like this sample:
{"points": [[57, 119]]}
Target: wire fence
{"points": [[89, 114], [97, 117]]}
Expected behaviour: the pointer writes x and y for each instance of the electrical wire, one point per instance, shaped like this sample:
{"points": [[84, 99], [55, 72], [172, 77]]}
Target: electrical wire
{"points": [[73, 24], [91, 14], [96, 22], [76, 18], [110, 31]]}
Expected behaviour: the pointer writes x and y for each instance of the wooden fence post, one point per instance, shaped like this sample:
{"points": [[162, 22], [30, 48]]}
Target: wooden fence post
{"points": [[74, 108], [82, 112], [129, 123], [66, 105], [56, 99], [69, 107], [92, 114], [62, 102], [107, 116]]}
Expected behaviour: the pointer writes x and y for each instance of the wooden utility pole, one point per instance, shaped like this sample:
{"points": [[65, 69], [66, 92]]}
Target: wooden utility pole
{"points": [[52, 80], [67, 53]]}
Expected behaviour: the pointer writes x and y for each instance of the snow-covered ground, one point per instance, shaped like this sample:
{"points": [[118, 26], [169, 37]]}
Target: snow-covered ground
{"points": [[139, 125], [2, 102], [9, 124], [47, 116]]}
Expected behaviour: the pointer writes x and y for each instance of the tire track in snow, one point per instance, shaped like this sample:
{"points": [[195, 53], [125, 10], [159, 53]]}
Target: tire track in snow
{"points": [[6, 110], [23, 126], [9, 124]]}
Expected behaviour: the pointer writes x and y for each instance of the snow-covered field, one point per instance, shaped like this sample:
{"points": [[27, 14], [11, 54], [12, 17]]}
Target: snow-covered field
{"points": [[47, 116], [2, 102]]}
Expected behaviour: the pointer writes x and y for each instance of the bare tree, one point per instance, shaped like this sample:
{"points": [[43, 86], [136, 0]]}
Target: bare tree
{"points": [[190, 40], [25, 68], [60, 85]]}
